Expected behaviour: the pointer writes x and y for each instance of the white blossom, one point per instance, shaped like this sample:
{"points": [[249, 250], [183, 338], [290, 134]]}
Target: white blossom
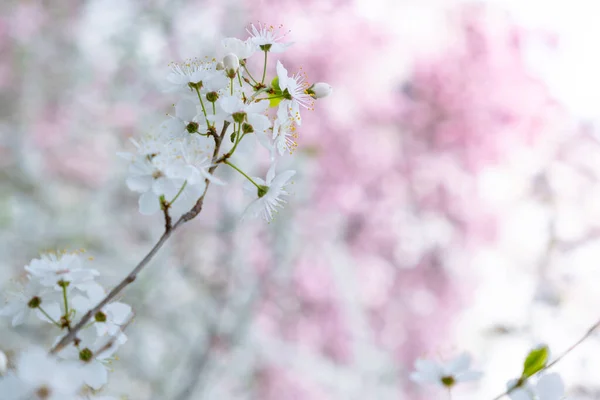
{"points": [[41, 377], [269, 195], [267, 39], [294, 90], [187, 120], [93, 356], [444, 374], [234, 105], [242, 49], [51, 268], [284, 131], [201, 73], [547, 387]]}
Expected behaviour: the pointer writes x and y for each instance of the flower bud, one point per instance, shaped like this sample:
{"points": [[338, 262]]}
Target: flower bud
{"points": [[239, 116], [247, 128], [220, 66], [231, 62], [3, 363], [320, 90], [212, 96]]}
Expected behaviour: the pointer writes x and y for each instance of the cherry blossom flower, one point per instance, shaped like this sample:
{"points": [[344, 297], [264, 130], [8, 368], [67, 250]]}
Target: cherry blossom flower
{"points": [[294, 90], [29, 298], [266, 38], [187, 120], [202, 74], [444, 374], [547, 387], [92, 356], [284, 131], [268, 194], [242, 49], [234, 106], [51, 268], [40, 377]]}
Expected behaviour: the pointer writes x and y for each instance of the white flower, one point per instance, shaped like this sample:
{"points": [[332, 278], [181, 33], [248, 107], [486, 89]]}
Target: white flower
{"points": [[242, 49], [40, 377], [195, 161], [149, 175], [269, 195], [26, 300], [548, 387], [320, 90], [294, 90], [266, 39], [447, 374], [51, 268], [284, 131], [93, 356], [110, 319], [186, 121], [234, 105], [202, 74]]}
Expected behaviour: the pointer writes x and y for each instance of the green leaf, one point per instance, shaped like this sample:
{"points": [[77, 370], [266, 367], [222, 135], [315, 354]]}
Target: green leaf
{"points": [[275, 85], [275, 102], [535, 361]]}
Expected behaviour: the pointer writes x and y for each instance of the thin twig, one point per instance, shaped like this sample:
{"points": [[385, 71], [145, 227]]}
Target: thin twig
{"points": [[164, 206], [589, 332], [70, 336]]}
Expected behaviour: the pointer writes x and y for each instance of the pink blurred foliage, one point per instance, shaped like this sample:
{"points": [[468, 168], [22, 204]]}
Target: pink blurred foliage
{"points": [[478, 99], [399, 167]]}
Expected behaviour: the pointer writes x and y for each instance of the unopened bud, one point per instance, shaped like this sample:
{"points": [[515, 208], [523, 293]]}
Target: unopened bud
{"points": [[212, 96], [220, 66], [320, 90], [3, 363], [239, 117], [231, 62], [247, 128]]}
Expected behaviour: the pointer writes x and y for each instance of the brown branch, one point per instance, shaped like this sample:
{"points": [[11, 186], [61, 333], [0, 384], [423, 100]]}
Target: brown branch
{"points": [[71, 335], [164, 206]]}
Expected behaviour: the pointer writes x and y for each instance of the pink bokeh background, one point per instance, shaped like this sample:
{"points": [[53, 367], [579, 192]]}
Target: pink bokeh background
{"points": [[376, 260]]}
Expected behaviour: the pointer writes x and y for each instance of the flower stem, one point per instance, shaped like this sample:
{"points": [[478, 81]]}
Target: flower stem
{"points": [[231, 85], [249, 74], [49, 317], [264, 68], [202, 104], [242, 172], [239, 78], [237, 140], [178, 193]]}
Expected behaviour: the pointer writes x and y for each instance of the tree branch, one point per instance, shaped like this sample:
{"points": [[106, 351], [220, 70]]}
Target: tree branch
{"points": [[589, 332], [71, 335]]}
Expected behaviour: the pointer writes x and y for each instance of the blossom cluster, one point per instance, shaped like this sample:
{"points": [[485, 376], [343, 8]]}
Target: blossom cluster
{"points": [[221, 104], [59, 288]]}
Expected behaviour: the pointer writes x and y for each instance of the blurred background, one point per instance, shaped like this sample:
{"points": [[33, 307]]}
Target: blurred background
{"points": [[446, 200]]}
